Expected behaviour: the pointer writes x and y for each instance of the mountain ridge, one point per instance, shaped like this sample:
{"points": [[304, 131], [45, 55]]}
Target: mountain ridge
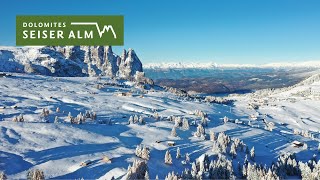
{"points": [[213, 65], [70, 61]]}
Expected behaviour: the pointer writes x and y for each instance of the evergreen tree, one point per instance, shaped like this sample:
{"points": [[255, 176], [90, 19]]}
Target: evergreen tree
{"points": [[141, 120], [187, 158], [185, 124], [233, 150], [178, 155], [225, 119], [247, 150], [194, 170], [174, 132], [138, 151], [135, 118], [146, 176], [56, 119], [168, 158], [252, 153], [200, 131], [131, 120], [212, 136], [94, 116], [145, 154], [204, 121]]}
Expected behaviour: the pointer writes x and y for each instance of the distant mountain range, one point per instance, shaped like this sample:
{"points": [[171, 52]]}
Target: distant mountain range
{"points": [[69, 61], [212, 65]]}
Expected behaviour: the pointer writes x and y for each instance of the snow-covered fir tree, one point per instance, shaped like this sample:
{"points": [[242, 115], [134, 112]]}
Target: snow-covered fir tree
{"points": [[200, 131], [146, 176], [187, 158], [247, 150], [212, 136], [204, 121], [94, 116], [225, 119], [145, 153], [135, 118], [178, 155], [56, 119], [252, 153], [174, 132], [141, 120], [138, 150], [194, 170], [172, 176], [131, 120], [233, 150], [185, 124], [177, 121], [168, 158]]}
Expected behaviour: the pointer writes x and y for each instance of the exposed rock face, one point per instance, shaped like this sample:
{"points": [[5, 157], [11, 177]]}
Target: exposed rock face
{"points": [[129, 64], [70, 61]]}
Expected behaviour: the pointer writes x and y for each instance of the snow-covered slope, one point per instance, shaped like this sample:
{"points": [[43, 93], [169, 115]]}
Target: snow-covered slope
{"points": [[58, 149], [69, 61], [297, 106]]}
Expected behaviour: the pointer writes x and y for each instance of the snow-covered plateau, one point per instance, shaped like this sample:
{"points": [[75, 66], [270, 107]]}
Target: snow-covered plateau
{"points": [[113, 128]]}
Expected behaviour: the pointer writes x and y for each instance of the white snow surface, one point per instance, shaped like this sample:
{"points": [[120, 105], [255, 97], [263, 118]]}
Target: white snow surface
{"points": [[59, 148]]}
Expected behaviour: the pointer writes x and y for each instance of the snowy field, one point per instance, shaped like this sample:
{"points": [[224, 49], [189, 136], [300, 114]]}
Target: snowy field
{"points": [[57, 147]]}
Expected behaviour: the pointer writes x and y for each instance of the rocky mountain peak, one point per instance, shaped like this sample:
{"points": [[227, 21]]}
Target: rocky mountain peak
{"points": [[70, 61]]}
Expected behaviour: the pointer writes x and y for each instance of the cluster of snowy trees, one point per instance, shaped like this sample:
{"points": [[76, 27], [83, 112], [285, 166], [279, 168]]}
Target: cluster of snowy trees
{"points": [[140, 78], [18, 118], [179, 122], [286, 166], [138, 170], [217, 100], [304, 133], [176, 91], [200, 113], [310, 170], [80, 118], [156, 116], [200, 133], [135, 119], [254, 171], [222, 168], [45, 114], [224, 144], [35, 175], [142, 152], [203, 168]]}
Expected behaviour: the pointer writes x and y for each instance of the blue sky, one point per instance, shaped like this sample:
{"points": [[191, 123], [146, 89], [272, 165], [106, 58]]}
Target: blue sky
{"points": [[223, 31]]}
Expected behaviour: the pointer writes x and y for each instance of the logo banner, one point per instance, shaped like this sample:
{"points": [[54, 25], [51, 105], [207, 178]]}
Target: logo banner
{"points": [[69, 30]]}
